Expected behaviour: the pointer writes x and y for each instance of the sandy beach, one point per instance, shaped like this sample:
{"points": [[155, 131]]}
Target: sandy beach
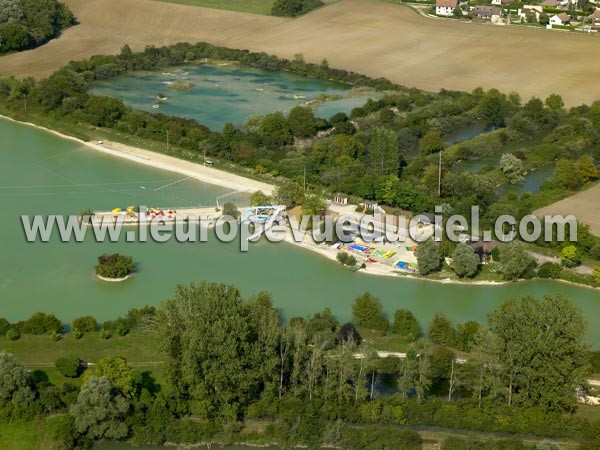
{"points": [[376, 269], [114, 280], [169, 163]]}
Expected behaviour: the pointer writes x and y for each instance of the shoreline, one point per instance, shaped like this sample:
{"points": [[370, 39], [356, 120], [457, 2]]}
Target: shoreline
{"points": [[157, 160], [386, 271], [114, 280], [228, 180]]}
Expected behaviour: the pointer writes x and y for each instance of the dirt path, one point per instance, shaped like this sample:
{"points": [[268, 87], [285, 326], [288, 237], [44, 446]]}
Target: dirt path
{"points": [[378, 39], [541, 259]]}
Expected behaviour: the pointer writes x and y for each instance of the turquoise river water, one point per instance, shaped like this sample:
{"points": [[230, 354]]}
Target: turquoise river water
{"points": [[43, 174]]}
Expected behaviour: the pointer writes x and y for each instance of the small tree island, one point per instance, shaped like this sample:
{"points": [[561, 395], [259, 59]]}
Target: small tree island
{"points": [[114, 267]]}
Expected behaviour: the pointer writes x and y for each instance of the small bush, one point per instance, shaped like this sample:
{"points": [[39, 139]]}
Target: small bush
{"points": [[105, 334], [122, 329], [4, 326], [348, 332], [344, 128], [338, 118], [13, 334], [346, 259], [549, 270], [41, 323], [386, 115], [87, 324], [68, 366], [77, 333], [55, 337]]}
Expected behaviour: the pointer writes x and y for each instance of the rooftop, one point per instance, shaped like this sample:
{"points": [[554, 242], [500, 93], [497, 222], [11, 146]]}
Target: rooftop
{"points": [[446, 3]]}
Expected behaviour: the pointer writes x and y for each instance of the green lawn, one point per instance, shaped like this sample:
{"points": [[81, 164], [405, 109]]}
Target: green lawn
{"points": [[25, 435], [248, 6], [374, 340], [589, 412], [41, 351]]}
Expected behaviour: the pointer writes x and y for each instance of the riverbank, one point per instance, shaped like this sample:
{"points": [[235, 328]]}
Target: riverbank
{"points": [[383, 270], [225, 179], [379, 269], [114, 280], [196, 171]]}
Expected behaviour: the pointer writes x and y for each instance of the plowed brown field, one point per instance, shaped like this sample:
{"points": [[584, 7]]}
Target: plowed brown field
{"points": [[584, 205]]}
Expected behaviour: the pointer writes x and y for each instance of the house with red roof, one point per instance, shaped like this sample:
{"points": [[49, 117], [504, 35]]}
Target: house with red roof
{"points": [[445, 7]]}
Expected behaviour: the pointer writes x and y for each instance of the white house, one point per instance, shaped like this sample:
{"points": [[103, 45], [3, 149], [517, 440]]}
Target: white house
{"points": [[535, 9], [594, 18], [500, 2], [560, 19], [445, 7], [487, 12]]}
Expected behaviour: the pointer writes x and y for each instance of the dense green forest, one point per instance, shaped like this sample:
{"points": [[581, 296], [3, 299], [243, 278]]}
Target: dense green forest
{"points": [[27, 24], [387, 150], [228, 362]]}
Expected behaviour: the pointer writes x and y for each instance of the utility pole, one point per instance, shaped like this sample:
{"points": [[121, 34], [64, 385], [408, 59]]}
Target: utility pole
{"points": [[305, 179], [440, 176]]}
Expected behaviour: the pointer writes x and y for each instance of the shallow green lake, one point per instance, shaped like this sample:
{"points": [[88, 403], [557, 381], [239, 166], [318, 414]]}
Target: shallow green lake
{"points": [[222, 94], [43, 174]]}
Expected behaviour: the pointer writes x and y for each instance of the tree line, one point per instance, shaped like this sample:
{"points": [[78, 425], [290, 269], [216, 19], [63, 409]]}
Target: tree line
{"points": [[27, 24], [388, 150], [228, 361]]}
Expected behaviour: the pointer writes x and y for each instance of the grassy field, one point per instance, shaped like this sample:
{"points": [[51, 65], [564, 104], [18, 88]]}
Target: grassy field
{"points": [[41, 351], [366, 36], [26, 435], [248, 6], [374, 340], [589, 412]]}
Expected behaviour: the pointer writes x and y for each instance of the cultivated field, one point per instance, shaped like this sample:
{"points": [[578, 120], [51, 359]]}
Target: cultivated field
{"points": [[250, 6], [379, 39], [583, 205]]}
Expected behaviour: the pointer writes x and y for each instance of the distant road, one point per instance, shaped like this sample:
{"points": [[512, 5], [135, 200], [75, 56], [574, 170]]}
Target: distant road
{"points": [[378, 39]]}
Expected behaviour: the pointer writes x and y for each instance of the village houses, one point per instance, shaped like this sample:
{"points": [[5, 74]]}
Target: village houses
{"points": [[445, 7], [487, 12], [530, 9], [594, 18], [561, 19]]}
